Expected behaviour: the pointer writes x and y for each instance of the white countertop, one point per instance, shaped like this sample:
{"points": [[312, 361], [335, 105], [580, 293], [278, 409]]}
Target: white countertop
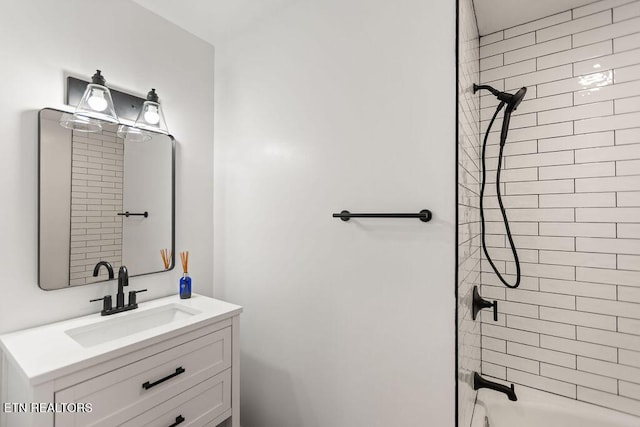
{"points": [[47, 352]]}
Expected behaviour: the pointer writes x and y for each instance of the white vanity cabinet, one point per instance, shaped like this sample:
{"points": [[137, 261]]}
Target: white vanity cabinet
{"points": [[184, 372]]}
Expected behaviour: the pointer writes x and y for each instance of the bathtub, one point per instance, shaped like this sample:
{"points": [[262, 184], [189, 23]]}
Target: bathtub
{"points": [[536, 408]]}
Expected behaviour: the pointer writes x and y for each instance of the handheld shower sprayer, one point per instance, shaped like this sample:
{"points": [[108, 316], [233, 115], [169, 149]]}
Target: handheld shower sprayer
{"points": [[512, 101]]}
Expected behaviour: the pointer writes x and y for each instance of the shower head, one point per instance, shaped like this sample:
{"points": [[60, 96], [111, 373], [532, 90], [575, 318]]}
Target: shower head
{"points": [[512, 100]]}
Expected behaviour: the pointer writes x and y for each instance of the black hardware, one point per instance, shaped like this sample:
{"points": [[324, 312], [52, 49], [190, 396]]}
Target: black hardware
{"points": [[132, 297], [479, 303], [105, 264], [479, 382], [148, 385], [106, 304], [123, 280], [179, 420], [128, 214], [424, 215]]}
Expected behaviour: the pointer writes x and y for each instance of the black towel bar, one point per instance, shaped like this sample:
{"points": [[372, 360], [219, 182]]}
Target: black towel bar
{"points": [[424, 215]]}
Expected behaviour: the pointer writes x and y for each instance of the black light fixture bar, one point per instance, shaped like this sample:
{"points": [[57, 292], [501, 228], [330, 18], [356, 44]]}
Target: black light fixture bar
{"points": [[424, 215], [127, 106]]}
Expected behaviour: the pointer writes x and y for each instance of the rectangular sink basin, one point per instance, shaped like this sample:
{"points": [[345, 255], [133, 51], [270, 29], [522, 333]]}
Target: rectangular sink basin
{"points": [[129, 323]]}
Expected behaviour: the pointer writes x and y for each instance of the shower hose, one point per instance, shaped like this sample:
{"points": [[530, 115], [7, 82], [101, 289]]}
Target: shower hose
{"points": [[503, 139]]}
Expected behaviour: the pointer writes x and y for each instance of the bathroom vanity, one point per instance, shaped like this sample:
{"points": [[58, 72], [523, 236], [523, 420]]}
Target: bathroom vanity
{"points": [[170, 362]]}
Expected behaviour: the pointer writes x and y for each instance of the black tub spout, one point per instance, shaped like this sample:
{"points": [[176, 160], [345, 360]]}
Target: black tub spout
{"points": [[479, 382]]}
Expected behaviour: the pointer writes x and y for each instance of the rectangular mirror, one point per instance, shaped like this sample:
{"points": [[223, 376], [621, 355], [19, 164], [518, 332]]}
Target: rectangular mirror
{"points": [[88, 182]]}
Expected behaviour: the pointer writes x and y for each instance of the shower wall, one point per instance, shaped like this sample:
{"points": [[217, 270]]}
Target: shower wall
{"points": [[571, 185], [468, 207]]}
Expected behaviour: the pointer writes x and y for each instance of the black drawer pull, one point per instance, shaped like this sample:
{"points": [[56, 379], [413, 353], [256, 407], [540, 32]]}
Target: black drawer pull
{"points": [[179, 420], [148, 385]]}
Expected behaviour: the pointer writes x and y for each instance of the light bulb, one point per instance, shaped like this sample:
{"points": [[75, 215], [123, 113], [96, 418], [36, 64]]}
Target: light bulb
{"points": [[96, 101], [151, 116]]}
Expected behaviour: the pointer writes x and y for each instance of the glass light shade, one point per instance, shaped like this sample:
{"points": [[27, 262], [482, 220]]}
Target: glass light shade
{"points": [[80, 123], [96, 103], [151, 118], [131, 134]]}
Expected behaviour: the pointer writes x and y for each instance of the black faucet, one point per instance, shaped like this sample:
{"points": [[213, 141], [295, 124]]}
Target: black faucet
{"points": [[108, 266], [479, 382], [123, 280]]}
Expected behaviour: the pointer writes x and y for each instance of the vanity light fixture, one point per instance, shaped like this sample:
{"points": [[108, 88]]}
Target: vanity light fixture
{"points": [[95, 105], [151, 116]]}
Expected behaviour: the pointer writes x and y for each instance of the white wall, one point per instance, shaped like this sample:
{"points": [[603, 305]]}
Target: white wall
{"points": [[40, 41], [323, 106]]}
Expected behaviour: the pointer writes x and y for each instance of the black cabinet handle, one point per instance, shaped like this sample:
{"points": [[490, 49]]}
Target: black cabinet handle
{"points": [[148, 385], [179, 420]]}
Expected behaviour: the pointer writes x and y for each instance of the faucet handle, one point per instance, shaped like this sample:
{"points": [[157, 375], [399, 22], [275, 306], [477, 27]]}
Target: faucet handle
{"points": [[106, 303], [132, 296]]}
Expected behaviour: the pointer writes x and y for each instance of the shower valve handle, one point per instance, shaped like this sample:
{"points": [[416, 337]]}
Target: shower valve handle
{"points": [[479, 303]]}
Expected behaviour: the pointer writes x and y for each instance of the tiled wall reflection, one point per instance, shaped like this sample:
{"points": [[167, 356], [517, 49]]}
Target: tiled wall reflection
{"points": [[571, 185], [468, 214]]}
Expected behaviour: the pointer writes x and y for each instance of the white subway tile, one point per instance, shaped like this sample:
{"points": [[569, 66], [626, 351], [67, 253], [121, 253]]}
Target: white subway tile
{"points": [[609, 369], [575, 54], [629, 326], [592, 82], [629, 198], [579, 377], [606, 33], [618, 183], [517, 228], [627, 11], [529, 283], [491, 38], [542, 159], [597, 7], [541, 298], [574, 26], [548, 131], [517, 215], [579, 347], [544, 242], [520, 121], [493, 370], [620, 121], [508, 334], [538, 24], [548, 187], [579, 318], [526, 201], [541, 327], [504, 254], [571, 287], [531, 105], [508, 70], [607, 92], [544, 76], [629, 390], [542, 355], [506, 45], [629, 231], [494, 344], [627, 357], [517, 309], [617, 60], [614, 277], [542, 383], [538, 50], [603, 154], [515, 362], [613, 308], [577, 200], [576, 141], [609, 400], [543, 270], [627, 136], [491, 62], [629, 262], [583, 259], [626, 74], [629, 42], [627, 105], [510, 149], [598, 109], [578, 171], [615, 246]]}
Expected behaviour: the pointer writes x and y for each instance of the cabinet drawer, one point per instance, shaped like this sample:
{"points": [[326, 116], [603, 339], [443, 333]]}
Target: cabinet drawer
{"points": [[195, 407], [122, 394]]}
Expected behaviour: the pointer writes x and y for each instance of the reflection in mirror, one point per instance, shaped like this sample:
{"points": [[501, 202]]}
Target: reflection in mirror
{"points": [[88, 183]]}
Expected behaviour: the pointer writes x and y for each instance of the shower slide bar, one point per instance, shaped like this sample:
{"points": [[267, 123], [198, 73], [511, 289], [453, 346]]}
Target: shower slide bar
{"points": [[424, 215]]}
